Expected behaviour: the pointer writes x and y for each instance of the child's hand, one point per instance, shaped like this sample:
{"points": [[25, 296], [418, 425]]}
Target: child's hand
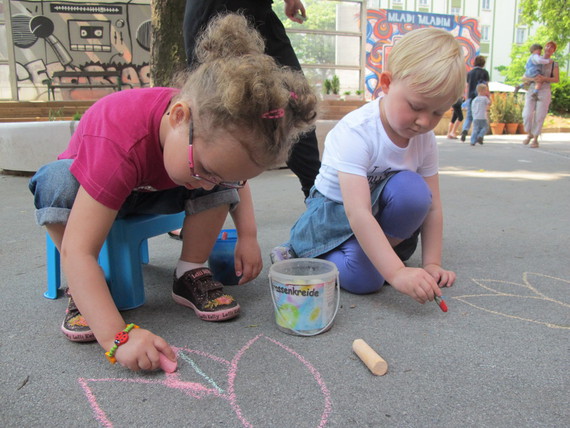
{"points": [[417, 283], [248, 263], [142, 351], [444, 278]]}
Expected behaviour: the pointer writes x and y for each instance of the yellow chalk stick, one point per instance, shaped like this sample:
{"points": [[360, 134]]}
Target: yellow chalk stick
{"points": [[369, 357]]}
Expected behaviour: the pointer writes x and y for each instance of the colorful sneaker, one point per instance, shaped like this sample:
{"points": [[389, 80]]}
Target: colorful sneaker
{"points": [[282, 252], [74, 325], [197, 289]]}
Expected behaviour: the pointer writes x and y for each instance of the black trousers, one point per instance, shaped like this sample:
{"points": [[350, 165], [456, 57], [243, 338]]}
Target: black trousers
{"points": [[304, 158]]}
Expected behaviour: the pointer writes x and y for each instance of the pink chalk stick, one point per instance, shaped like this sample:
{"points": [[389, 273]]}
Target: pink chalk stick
{"points": [[167, 365]]}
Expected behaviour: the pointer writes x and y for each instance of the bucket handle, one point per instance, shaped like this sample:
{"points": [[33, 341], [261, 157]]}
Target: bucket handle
{"points": [[337, 288]]}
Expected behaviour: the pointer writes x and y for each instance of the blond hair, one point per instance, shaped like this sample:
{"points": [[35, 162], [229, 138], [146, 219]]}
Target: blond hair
{"points": [[482, 88], [236, 88], [431, 61]]}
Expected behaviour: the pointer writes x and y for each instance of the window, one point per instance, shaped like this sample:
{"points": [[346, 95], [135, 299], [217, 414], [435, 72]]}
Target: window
{"points": [[486, 4], [424, 3], [456, 11], [485, 33], [520, 36]]}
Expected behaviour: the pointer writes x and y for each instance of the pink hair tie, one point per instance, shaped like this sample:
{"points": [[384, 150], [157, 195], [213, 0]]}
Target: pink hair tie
{"points": [[294, 95], [273, 114]]}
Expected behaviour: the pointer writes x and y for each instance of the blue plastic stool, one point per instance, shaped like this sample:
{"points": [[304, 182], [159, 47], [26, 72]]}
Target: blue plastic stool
{"points": [[121, 257]]}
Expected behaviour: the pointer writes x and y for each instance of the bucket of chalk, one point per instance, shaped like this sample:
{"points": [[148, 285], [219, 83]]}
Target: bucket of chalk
{"points": [[305, 294], [221, 260]]}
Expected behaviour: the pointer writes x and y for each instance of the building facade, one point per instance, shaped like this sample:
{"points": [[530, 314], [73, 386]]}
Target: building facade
{"points": [[40, 37]]}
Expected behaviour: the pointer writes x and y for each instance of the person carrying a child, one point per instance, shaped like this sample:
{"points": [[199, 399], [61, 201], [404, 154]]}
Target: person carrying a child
{"points": [[536, 107], [378, 186], [479, 108], [533, 68], [164, 150]]}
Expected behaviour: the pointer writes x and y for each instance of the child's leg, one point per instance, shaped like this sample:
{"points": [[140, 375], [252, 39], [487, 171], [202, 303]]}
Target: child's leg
{"points": [[201, 231], [403, 207], [476, 132], [484, 129], [356, 273], [194, 286], [54, 189]]}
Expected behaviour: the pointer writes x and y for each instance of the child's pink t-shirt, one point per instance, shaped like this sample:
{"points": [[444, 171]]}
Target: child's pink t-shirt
{"points": [[116, 147]]}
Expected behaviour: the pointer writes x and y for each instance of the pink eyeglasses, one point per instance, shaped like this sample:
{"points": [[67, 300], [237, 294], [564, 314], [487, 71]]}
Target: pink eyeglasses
{"points": [[228, 184]]}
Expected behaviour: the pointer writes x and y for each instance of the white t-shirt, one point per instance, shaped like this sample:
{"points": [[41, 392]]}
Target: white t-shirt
{"points": [[359, 145], [479, 107]]}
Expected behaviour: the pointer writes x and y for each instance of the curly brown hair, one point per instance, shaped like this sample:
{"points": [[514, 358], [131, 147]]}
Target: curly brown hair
{"points": [[234, 86]]}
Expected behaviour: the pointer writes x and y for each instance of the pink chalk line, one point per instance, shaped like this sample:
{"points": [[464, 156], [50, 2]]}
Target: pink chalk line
{"points": [[198, 390]]}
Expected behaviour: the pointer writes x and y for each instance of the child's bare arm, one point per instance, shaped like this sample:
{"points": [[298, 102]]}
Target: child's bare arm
{"points": [[248, 254], [432, 237], [415, 282], [84, 235]]}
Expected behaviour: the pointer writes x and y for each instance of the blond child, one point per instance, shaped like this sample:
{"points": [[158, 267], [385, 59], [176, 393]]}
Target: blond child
{"points": [[480, 107], [164, 150], [378, 186]]}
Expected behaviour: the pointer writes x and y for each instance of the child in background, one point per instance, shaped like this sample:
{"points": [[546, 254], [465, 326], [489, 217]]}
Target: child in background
{"points": [[533, 68], [456, 119], [160, 151], [378, 185], [479, 108]]}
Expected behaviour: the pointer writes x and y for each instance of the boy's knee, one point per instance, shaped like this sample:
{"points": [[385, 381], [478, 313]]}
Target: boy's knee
{"points": [[53, 185], [409, 192], [359, 280]]}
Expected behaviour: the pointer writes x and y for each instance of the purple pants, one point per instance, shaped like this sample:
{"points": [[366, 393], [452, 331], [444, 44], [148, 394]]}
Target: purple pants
{"points": [[404, 205]]}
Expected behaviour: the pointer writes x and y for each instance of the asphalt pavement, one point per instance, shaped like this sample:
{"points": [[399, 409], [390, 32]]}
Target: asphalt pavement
{"points": [[500, 357]]}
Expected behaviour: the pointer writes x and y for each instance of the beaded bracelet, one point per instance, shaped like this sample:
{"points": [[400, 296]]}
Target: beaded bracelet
{"points": [[120, 338]]}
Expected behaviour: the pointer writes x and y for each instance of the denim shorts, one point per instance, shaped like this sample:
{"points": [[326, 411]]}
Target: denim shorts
{"points": [[55, 189]]}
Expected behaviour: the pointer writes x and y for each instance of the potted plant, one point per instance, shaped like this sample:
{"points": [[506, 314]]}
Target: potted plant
{"points": [[497, 114], [328, 93], [511, 122], [335, 85]]}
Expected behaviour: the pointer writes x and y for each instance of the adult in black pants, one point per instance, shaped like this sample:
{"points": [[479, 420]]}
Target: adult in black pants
{"points": [[477, 75], [304, 158]]}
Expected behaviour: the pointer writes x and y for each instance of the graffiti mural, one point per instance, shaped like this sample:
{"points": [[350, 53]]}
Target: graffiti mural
{"points": [[80, 36], [385, 26]]}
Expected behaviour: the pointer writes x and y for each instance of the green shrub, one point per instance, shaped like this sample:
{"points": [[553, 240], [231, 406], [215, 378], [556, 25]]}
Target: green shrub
{"points": [[561, 95]]}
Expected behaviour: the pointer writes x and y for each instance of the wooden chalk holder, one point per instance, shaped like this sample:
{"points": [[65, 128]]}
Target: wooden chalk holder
{"points": [[369, 357]]}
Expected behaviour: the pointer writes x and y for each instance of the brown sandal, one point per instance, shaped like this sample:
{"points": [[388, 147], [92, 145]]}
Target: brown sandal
{"points": [[527, 139], [534, 144]]}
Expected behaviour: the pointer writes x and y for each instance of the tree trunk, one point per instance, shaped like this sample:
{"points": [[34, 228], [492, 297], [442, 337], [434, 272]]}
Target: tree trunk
{"points": [[167, 55]]}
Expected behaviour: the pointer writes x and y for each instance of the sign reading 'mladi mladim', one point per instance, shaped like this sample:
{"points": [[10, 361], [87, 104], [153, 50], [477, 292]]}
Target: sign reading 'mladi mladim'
{"points": [[419, 18]]}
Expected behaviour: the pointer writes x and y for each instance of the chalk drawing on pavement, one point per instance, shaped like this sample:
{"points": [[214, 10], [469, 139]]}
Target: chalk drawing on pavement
{"points": [[222, 386], [545, 299]]}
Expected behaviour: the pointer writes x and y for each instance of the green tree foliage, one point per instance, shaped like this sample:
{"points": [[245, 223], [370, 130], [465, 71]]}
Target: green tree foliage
{"points": [[554, 14], [515, 70], [313, 49]]}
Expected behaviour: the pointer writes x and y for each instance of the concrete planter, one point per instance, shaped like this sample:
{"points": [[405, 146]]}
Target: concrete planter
{"points": [[26, 146]]}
